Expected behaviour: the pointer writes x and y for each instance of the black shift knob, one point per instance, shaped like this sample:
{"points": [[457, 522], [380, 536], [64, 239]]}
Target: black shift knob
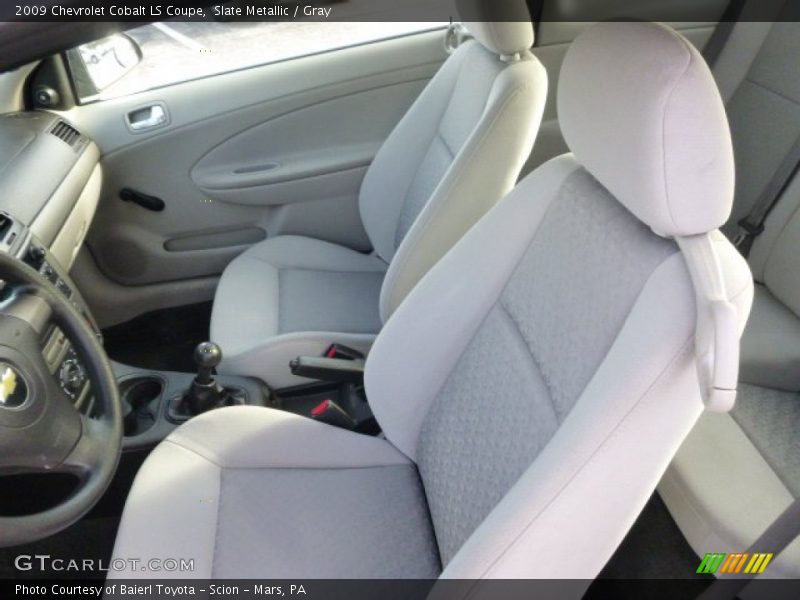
{"points": [[206, 356]]}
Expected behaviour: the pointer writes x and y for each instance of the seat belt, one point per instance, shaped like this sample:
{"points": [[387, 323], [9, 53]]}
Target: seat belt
{"points": [[752, 225], [722, 31], [780, 533]]}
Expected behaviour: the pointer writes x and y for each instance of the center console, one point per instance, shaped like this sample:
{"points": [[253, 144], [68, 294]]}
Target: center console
{"points": [[154, 402]]}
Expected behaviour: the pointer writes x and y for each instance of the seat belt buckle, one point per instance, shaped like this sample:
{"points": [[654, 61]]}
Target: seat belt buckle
{"points": [[750, 227], [331, 413], [343, 352]]}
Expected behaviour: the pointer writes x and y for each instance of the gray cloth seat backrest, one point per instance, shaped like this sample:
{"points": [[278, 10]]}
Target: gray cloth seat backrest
{"points": [[552, 350], [759, 75], [771, 343], [457, 150]]}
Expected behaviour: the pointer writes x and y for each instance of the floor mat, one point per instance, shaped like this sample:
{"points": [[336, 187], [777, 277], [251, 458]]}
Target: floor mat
{"points": [[654, 550], [89, 539], [162, 340]]}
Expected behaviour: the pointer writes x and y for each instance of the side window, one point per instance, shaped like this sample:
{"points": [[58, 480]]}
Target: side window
{"points": [[159, 54]]}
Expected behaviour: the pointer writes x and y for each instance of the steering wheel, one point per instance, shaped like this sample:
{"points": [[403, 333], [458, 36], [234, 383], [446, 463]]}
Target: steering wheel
{"points": [[41, 430]]}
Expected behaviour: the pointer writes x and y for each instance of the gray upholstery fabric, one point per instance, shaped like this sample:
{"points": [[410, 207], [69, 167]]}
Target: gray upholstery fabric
{"points": [[259, 493], [782, 263], [435, 162], [456, 152], [293, 296], [771, 419], [520, 376], [313, 300], [770, 354], [367, 522], [764, 113], [593, 284], [293, 283], [466, 102]]}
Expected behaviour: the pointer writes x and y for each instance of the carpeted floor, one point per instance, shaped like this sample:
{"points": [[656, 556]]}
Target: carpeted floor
{"points": [[656, 553], [90, 538], [162, 340]]}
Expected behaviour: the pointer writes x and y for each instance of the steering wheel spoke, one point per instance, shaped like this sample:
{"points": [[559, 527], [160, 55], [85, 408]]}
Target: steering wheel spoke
{"points": [[89, 452], [24, 304]]}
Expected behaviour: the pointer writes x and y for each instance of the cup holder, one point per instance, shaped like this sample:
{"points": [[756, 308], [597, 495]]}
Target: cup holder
{"points": [[141, 397]]}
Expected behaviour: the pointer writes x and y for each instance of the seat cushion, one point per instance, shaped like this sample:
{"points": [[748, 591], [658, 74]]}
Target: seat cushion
{"points": [[291, 295], [770, 354], [771, 420], [256, 493]]}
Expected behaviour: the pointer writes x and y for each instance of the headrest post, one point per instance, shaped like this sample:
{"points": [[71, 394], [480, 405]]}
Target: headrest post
{"points": [[511, 58], [501, 26]]}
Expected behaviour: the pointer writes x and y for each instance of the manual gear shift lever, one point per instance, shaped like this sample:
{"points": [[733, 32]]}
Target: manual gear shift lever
{"points": [[205, 393], [206, 356]]}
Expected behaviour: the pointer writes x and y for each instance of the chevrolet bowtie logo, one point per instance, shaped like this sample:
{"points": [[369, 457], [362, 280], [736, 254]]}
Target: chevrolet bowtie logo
{"points": [[13, 390]]}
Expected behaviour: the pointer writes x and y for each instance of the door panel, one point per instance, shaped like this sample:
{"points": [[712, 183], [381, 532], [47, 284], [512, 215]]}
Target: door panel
{"points": [[276, 149], [306, 144]]}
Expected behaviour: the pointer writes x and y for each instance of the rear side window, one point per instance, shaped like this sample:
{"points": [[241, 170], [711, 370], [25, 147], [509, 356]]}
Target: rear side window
{"points": [[160, 54]]}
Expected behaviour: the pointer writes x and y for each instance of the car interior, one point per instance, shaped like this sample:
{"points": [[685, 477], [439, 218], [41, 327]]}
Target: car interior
{"points": [[509, 296]]}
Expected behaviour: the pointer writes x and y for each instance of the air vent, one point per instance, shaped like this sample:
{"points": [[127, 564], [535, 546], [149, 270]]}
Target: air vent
{"points": [[9, 231], [5, 225], [67, 133]]}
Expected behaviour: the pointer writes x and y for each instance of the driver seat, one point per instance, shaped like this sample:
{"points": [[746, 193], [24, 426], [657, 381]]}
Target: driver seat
{"points": [[533, 387]]}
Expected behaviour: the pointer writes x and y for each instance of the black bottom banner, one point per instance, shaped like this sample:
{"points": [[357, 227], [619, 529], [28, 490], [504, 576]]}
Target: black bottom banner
{"points": [[322, 589]]}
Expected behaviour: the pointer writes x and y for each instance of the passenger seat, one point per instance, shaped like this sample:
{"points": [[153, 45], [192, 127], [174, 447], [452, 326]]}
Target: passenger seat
{"points": [[737, 472], [457, 151]]}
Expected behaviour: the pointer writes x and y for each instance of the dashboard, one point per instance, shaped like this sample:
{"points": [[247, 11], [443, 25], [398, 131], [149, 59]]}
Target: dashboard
{"points": [[50, 180]]}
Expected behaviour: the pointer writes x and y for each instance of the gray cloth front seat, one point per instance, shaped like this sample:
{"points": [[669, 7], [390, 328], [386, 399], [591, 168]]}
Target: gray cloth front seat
{"points": [[545, 365], [457, 151]]}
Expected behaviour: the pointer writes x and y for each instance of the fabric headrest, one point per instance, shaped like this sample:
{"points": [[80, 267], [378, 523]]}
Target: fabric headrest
{"points": [[502, 26], [640, 110]]}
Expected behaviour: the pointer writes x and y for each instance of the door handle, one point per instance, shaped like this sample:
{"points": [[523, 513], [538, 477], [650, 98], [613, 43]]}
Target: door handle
{"points": [[147, 117]]}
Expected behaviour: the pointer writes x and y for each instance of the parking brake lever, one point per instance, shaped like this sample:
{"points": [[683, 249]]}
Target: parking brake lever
{"points": [[328, 369]]}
